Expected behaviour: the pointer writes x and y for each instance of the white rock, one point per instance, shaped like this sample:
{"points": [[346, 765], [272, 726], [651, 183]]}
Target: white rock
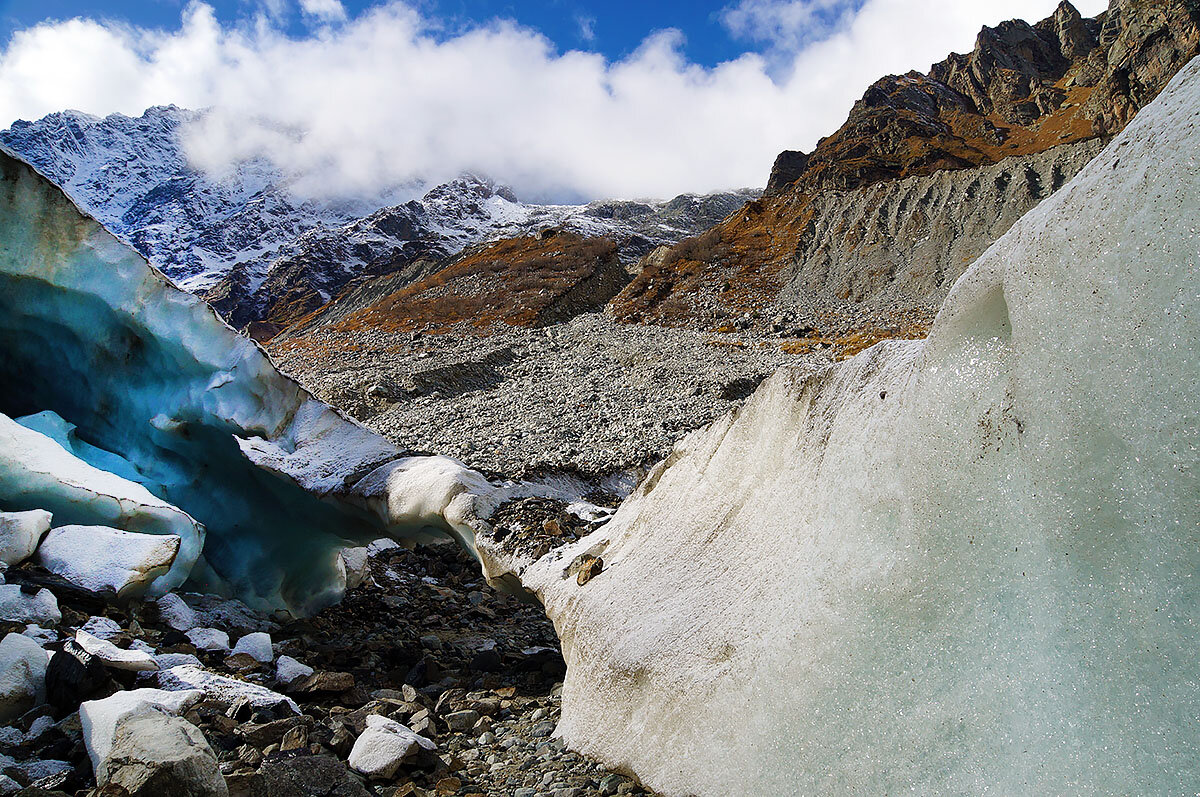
{"points": [[17, 606], [209, 638], [22, 676], [176, 613], [102, 627], [36, 470], [289, 671], [355, 562], [962, 565], [381, 545], [100, 558], [221, 689], [256, 645], [168, 660], [100, 718], [20, 533], [384, 746], [115, 657]]}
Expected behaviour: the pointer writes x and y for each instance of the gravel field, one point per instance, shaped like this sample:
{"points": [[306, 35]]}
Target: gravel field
{"points": [[589, 396]]}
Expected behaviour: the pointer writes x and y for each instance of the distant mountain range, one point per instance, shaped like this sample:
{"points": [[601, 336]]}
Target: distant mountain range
{"points": [[259, 253]]}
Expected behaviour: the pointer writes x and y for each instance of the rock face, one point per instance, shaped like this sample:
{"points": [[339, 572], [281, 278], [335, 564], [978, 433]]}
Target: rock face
{"points": [[1003, 126], [154, 753], [925, 557]]}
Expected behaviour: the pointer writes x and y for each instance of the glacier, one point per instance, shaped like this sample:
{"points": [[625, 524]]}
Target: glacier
{"points": [[964, 565], [137, 408]]}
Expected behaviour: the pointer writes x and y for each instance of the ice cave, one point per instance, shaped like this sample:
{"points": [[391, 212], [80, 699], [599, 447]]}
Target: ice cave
{"points": [[167, 421]]}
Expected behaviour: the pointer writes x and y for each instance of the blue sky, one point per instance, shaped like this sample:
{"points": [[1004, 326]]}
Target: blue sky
{"points": [[614, 28]]}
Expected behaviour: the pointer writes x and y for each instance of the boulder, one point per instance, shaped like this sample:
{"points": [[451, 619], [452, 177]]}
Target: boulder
{"points": [[19, 604], [257, 646], [289, 671], [384, 746], [176, 613], [73, 675], [20, 533], [22, 676], [292, 775], [209, 638], [114, 657], [154, 753], [99, 558], [100, 719], [355, 562], [222, 689]]}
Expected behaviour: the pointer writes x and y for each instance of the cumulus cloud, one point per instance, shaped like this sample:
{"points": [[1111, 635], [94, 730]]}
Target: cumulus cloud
{"points": [[388, 97], [328, 10], [787, 24]]}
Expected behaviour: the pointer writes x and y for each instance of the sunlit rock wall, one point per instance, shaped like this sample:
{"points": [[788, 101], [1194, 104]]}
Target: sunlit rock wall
{"points": [[967, 565]]}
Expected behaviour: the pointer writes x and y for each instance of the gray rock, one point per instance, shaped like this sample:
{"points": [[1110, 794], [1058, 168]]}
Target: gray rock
{"points": [[462, 720], [155, 754], [22, 676], [291, 775]]}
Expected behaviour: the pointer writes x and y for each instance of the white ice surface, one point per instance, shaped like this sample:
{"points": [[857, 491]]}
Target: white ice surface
{"points": [[20, 533], [966, 565], [99, 558]]}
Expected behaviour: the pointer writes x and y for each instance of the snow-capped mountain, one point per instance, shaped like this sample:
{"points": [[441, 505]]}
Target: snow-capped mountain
{"points": [[134, 177], [246, 243]]}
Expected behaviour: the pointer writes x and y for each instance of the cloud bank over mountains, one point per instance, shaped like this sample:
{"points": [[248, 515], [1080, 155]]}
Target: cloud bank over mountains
{"points": [[392, 96]]}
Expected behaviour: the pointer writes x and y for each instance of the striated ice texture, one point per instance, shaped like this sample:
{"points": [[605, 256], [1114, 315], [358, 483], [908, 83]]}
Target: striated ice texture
{"points": [[137, 408], [969, 565]]}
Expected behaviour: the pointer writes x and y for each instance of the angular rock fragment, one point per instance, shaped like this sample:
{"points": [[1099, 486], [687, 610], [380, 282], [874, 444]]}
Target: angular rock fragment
{"points": [[384, 746], [22, 676], [20, 533], [155, 754]]}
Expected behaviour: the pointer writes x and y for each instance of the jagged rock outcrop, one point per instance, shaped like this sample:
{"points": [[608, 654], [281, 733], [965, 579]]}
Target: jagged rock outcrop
{"points": [[1023, 91]]}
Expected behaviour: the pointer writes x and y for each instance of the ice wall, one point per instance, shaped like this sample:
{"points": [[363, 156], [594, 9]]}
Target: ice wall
{"points": [[967, 565], [160, 392]]}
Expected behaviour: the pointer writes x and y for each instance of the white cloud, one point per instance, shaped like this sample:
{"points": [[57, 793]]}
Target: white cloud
{"points": [[387, 97], [786, 24], [328, 10]]}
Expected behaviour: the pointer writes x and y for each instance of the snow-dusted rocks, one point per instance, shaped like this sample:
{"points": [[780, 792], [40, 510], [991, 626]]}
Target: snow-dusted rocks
{"points": [[154, 753], [19, 606], [22, 676], [257, 646], [175, 612], [289, 671], [962, 565], [221, 689], [20, 533], [100, 719], [386, 744], [213, 639], [114, 657], [99, 558]]}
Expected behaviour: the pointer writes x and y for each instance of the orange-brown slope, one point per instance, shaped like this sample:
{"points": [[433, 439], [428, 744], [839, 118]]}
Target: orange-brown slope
{"points": [[516, 282], [1025, 89]]}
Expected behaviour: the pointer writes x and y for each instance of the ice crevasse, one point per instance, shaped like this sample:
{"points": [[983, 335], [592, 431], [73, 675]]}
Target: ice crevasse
{"points": [[964, 565]]}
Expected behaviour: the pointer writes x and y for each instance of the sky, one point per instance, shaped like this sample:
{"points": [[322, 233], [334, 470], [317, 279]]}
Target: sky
{"points": [[561, 99]]}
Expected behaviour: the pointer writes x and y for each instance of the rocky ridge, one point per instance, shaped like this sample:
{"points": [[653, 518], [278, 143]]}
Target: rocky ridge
{"points": [[1024, 92]]}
